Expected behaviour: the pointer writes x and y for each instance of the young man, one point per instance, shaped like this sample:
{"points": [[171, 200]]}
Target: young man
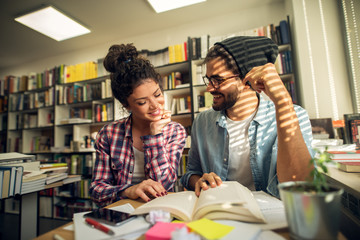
{"points": [[245, 137]]}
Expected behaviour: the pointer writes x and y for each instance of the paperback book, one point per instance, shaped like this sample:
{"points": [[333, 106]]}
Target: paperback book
{"points": [[231, 201]]}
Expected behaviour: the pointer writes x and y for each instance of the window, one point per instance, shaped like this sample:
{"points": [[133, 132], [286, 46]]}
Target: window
{"points": [[351, 16]]}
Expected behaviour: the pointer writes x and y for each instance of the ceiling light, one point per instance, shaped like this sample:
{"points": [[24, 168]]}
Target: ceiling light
{"points": [[166, 5], [53, 24]]}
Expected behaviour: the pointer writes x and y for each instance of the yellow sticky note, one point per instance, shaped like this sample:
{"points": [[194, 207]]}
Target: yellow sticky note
{"points": [[209, 229]]}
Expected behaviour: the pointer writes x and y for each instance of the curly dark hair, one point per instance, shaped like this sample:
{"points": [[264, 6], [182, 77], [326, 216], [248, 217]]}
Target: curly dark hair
{"points": [[218, 51], [128, 70]]}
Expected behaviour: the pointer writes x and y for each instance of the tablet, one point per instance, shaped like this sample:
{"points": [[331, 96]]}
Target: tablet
{"points": [[108, 216]]}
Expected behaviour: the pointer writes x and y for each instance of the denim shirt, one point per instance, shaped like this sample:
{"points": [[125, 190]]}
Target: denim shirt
{"points": [[209, 150]]}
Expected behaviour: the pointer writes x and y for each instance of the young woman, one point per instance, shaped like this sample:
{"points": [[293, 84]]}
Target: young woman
{"points": [[136, 157]]}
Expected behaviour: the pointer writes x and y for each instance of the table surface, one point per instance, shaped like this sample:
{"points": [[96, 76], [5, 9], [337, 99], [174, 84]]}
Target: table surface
{"points": [[69, 234]]}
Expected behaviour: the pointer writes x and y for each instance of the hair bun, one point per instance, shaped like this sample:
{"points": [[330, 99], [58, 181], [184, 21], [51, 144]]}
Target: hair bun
{"points": [[119, 55]]}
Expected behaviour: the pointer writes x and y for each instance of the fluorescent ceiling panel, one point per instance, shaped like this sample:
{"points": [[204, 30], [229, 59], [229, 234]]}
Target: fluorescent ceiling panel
{"points": [[53, 24], [166, 5]]}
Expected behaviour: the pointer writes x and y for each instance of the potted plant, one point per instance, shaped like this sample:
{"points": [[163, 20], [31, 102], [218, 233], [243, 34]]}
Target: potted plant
{"points": [[313, 207]]}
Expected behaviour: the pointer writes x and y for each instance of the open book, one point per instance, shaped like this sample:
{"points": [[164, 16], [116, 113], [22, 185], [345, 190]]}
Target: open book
{"points": [[230, 201]]}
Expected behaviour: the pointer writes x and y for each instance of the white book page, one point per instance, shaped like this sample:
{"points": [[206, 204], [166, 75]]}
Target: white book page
{"points": [[180, 204], [220, 195], [230, 192], [272, 209]]}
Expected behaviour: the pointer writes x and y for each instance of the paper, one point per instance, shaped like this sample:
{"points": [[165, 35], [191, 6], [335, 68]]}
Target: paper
{"points": [[270, 235], [69, 227], [163, 230], [273, 211], [210, 229], [130, 230], [245, 230]]}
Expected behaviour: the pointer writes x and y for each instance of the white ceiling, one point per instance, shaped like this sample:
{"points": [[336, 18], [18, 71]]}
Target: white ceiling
{"points": [[107, 19]]}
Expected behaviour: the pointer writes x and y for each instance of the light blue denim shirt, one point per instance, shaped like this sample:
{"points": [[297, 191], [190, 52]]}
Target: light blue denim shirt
{"points": [[209, 150]]}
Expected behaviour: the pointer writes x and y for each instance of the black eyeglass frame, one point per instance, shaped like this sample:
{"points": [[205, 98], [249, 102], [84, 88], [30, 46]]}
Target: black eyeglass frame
{"points": [[216, 82]]}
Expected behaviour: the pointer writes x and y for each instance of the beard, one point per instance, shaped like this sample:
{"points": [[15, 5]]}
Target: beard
{"points": [[228, 102]]}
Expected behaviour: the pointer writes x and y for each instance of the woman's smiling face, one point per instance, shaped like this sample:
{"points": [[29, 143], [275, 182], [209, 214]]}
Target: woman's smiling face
{"points": [[147, 101]]}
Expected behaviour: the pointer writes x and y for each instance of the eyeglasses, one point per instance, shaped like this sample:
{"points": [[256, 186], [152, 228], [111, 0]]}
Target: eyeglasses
{"points": [[216, 81]]}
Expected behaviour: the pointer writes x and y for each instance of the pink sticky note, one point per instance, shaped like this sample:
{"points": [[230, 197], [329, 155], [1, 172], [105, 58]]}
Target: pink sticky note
{"points": [[162, 230]]}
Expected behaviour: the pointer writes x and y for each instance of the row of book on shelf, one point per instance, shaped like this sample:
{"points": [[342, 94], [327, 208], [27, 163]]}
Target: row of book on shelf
{"points": [[174, 80], [104, 112], [283, 62], [172, 54], [21, 174], [3, 103], [3, 122], [82, 92], [78, 115], [78, 164], [68, 199], [31, 120], [32, 100], [49, 77], [180, 105]]}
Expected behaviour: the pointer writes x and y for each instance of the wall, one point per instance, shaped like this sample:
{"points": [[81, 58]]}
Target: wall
{"points": [[323, 75]]}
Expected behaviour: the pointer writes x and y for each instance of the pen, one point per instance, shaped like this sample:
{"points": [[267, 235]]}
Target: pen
{"points": [[99, 226]]}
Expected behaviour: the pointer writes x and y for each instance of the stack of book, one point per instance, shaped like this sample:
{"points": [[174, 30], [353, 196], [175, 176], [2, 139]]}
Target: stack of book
{"points": [[33, 181], [55, 171], [348, 161], [12, 166]]}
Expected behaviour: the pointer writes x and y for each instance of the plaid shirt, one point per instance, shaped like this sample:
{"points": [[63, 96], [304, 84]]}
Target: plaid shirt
{"points": [[114, 165]]}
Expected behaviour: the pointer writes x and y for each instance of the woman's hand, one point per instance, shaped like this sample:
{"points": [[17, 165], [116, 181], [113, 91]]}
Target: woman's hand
{"points": [[145, 190], [207, 178], [157, 126]]}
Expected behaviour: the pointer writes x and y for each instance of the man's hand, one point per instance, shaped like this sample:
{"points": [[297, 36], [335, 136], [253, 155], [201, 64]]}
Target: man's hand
{"points": [[146, 190], [207, 178], [266, 79]]}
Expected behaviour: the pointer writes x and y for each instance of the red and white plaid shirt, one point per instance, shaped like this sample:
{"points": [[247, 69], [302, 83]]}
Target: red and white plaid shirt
{"points": [[114, 165]]}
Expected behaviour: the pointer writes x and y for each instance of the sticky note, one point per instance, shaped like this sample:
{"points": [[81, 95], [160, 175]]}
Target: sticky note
{"points": [[162, 230], [209, 229]]}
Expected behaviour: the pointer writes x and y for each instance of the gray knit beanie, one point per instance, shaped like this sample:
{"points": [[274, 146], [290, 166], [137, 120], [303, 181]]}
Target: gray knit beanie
{"points": [[249, 51]]}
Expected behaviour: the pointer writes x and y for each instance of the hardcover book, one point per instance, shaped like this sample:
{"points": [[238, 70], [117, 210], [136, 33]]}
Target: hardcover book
{"points": [[348, 118], [349, 166], [355, 132]]}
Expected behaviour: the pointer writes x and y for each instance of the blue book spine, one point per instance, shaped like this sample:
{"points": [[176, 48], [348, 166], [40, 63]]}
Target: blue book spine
{"points": [[284, 32]]}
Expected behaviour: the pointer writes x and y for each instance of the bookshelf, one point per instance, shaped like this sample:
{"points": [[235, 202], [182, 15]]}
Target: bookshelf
{"points": [[3, 114], [57, 113]]}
